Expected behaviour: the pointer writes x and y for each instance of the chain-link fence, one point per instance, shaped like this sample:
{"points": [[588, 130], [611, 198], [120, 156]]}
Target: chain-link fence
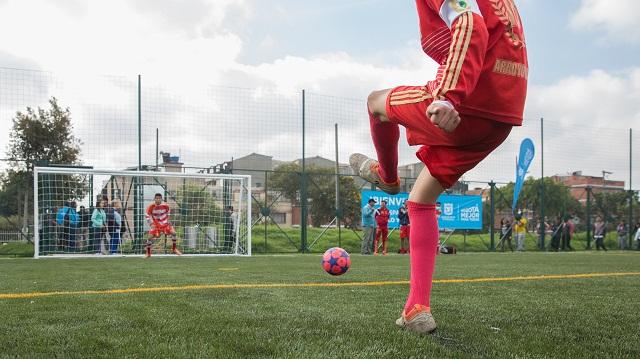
{"points": [[295, 145]]}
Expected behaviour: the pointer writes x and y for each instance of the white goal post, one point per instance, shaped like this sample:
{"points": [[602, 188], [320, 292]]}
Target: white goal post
{"points": [[89, 213]]}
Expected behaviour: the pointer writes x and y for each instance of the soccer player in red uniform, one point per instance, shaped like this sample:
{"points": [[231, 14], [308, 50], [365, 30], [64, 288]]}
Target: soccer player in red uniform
{"points": [[382, 228], [467, 111], [158, 217]]}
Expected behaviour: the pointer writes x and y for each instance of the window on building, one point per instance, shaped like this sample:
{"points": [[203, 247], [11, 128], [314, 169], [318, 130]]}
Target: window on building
{"points": [[279, 218]]}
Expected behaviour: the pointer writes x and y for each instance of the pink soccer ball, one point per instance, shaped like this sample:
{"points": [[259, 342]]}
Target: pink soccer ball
{"points": [[336, 261]]}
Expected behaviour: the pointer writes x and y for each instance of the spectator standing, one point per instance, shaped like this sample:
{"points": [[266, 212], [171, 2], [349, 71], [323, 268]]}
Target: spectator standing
{"points": [[83, 228], [520, 229], [382, 228], [556, 234], [505, 232], [599, 233], [623, 231], [637, 235], [115, 226], [98, 227], [567, 233], [368, 225], [235, 222], [228, 229], [67, 218], [47, 230], [405, 228]]}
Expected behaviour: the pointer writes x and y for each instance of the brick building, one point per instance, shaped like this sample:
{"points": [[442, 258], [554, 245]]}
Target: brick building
{"points": [[578, 184]]}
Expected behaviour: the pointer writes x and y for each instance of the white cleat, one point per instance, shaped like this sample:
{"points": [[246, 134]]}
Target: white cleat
{"points": [[367, 168], [419, 320]]}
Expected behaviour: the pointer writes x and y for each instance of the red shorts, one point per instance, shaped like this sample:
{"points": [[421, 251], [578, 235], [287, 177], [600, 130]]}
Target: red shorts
{"points": [[447, 155], [156, 231], [404, 231]]}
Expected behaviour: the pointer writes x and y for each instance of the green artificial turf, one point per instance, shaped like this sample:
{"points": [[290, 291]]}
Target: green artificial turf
{"points": [[594, 317]]}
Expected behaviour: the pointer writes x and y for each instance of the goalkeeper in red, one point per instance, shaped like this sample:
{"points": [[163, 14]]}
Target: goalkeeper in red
{"points": [[459, 118], [158, 218]]}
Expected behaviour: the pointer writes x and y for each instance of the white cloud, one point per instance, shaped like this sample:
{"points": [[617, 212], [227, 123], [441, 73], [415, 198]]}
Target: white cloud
{"points": [[586, 127], [618, 20], [111, 37], [181, 56]]}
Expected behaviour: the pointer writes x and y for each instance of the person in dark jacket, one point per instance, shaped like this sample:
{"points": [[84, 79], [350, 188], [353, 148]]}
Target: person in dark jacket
{"points": [[557, 229], [403, 217], [506, 229]]}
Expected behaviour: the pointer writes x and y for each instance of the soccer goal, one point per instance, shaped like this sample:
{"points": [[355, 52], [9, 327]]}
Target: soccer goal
{"points": [[87, 213]]}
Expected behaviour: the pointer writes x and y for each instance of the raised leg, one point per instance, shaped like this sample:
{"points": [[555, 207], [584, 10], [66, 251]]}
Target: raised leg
{"points": [[385, 136]]}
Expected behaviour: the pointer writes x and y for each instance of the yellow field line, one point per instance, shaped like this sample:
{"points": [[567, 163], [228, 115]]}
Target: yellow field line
{"points": [[307, 285]]}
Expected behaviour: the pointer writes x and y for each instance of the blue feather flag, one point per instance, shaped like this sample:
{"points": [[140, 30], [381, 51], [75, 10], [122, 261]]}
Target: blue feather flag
{"points": [[527, 152]]}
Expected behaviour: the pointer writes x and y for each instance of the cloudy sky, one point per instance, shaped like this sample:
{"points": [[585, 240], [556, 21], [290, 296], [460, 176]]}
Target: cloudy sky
{"points": [[222, 78]]}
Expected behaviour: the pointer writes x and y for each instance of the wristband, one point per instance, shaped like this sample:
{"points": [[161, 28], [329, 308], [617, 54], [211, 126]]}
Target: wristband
{"points": [[443, 103]]}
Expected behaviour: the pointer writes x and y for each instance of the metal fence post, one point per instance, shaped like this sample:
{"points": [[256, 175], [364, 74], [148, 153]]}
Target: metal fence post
{"points": [[137, 194], [631, 196], [338, 209], [542, 222], [139, 123], [265, 209], [303, 186], [588, 215], [492, 216]]}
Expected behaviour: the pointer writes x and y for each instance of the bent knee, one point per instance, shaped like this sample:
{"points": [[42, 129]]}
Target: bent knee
{"points": [[377, 102]]}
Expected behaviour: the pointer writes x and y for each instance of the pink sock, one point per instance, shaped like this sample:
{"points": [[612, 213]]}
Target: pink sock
{"points": [[423, 241], [385, 137]]}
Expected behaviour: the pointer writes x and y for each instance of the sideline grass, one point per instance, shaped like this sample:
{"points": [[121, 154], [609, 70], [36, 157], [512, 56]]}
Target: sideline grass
{"points": [[578, 317], [280, 241]]}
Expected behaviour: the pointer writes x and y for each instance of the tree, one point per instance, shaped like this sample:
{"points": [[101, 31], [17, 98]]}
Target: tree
{"points": [[557, 197], [286, 179], [320, 191], [197, 206], [43, 136], [39, 137], [12, 189], [613, 206]]}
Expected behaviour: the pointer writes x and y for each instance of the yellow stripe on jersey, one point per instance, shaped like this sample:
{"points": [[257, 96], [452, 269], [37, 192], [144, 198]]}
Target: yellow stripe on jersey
{"points": [[463, 53], [405, 96], [454, 50], [410, 100], [457, 54], [404, 92], [408, 96]]}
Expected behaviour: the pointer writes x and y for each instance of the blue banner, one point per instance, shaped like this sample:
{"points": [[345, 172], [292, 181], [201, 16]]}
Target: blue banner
{"points": [[527, 151], [393, 203], [459, 212], [454, 211]]}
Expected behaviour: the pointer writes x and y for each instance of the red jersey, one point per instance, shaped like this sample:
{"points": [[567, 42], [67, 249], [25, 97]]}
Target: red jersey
{"points": [[480, 47], [158, 214], [382, 217]]}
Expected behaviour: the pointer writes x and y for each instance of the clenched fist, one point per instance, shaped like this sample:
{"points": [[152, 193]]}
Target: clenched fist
{"points": [[443, 115]]}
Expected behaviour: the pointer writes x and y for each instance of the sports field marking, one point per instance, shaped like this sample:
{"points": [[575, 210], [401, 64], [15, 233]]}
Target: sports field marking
{"points": [[307, 285]]}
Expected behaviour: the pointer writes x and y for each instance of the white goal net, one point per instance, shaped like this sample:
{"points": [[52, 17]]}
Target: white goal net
{"points": [[86, 212]]}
